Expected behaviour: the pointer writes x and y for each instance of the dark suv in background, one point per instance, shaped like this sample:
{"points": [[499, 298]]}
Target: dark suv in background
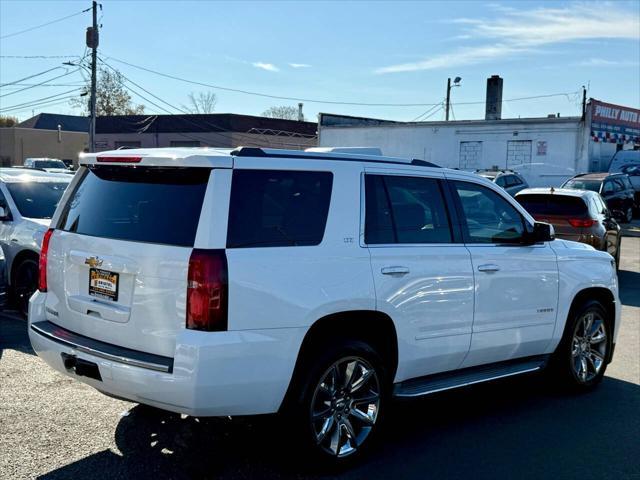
{"points": [[615, 189], [577, 215]]}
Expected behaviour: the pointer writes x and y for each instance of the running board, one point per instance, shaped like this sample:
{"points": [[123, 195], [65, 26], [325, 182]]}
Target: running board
{"points": [[445, 381]]}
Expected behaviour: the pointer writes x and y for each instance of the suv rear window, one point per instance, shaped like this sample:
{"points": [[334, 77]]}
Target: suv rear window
{"points": [[552, 204], [277, 208], [140, 204]]}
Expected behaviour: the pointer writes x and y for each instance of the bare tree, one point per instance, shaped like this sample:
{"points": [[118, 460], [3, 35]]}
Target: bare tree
{"points": [[202, 102], [284, 111], [112, 97]]}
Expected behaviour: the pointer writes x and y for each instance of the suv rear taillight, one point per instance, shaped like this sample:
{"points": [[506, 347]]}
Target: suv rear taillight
{"points": [[207, 291], [42, 278], [581, 222]]}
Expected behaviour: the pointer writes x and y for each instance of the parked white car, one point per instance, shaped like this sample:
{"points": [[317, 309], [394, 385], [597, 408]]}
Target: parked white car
{"points": [[216, 282], [28, 199], [51, 165]]}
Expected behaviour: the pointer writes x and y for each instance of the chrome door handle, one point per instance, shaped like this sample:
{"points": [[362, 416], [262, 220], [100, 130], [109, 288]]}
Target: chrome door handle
{"points": [[394, 270], [489, 267]]}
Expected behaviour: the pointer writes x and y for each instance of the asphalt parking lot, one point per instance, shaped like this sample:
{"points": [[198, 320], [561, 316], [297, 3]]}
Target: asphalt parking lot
{"points": [[52, 427]]}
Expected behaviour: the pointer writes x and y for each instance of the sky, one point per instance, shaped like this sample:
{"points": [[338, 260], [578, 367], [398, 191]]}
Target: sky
{"points": [[367, 52]]}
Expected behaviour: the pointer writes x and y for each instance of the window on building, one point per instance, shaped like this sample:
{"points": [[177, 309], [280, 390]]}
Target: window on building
{"points": [[404, 210], [127, 144], [276, 208], [518, 152], [185, 143], [470, 155]]}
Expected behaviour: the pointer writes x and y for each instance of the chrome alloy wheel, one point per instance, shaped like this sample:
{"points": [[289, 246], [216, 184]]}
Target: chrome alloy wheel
{"points": [[345, 406], [589, 346]]}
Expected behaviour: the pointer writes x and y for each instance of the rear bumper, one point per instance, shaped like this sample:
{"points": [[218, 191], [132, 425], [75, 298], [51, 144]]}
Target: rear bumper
{"points": [[212, 373]]}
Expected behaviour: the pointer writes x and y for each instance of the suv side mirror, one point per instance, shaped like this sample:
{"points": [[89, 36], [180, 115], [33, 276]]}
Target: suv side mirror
{"points": [[542, 232]]}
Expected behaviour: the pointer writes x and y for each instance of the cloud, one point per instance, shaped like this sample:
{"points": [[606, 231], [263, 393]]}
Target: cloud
{"points": [[270, 67], [517, 31], [603, 62], [463, 56], [299, 65]]}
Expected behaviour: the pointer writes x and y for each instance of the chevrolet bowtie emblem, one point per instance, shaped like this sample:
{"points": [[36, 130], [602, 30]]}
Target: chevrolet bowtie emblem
{"points": [[93, 262]]}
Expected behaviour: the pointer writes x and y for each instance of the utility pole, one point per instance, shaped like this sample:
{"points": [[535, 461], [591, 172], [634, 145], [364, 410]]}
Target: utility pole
{"points": [[448, 99], [92, 43], [584, 103]]}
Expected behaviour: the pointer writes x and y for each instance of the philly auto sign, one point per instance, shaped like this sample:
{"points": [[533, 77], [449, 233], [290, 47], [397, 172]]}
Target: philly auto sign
{"points": [[614, 123]]}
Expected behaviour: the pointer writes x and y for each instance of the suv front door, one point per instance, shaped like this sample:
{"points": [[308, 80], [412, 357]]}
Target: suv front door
{"points": [[422, 272], [516, 285]]}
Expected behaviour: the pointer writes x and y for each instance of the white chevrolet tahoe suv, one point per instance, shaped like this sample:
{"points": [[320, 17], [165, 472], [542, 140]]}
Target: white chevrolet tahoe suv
{"points": [[315, 284]]}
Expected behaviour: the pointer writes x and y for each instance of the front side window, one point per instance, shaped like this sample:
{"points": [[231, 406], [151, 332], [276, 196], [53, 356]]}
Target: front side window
{"points": [[489, 218], [405, 210], [278, 208], [36, 199], [140, 204]]}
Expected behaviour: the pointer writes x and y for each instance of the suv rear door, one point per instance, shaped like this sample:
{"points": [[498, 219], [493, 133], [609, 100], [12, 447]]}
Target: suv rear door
{"points": [[117, 263], [423, 274]]}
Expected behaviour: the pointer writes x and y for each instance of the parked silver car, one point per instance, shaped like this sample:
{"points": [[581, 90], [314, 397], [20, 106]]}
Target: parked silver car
{"points": [[28, 199], [511, 181], [51, 165]]}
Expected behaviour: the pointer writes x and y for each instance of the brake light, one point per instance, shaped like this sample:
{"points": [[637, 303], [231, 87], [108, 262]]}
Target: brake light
{"points": [[207, 291], [42, 264], [581, 222], [119, 159]]}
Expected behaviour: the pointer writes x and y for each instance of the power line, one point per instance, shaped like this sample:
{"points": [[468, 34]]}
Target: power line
{"points": [[39, 84], [44, 24], [38, 100], [38, 56], [29, 77], [223, 133], [331, 102], [429, 110], [266, 95]]}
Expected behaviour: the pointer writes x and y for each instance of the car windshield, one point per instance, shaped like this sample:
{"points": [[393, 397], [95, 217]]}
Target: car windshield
{"points": [[542, 204], [49, 164], [37, 199], [581, 184]]}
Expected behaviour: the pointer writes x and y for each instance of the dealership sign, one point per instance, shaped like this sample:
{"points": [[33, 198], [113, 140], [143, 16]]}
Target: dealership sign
{"points": [[614, 123]]}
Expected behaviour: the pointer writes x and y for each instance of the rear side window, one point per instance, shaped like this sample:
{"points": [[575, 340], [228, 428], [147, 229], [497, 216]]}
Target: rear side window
{"points": [[552, 205], [140, 204], [277, 208], [37, 199], [404, 210]]}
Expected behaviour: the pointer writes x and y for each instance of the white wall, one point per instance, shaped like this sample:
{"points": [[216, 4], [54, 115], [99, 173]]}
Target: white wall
{"points": [[440, 142]]}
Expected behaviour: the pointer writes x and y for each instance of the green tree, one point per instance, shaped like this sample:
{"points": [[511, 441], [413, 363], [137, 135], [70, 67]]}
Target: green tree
{"points": [[112, 97]]}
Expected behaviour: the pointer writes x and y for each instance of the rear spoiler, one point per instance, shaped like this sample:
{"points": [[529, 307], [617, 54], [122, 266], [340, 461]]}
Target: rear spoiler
{"points": [[160, 158]]}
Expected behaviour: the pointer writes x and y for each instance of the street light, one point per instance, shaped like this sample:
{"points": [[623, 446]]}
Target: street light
{"points": [[456, 83]]}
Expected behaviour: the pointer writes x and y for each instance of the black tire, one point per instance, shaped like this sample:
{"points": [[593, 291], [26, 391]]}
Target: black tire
{"points": [[24, 284], [573, 356], [314, 390]]}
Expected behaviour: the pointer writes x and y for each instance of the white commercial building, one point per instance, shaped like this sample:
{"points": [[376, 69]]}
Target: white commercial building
{"points": [[552, 146]]}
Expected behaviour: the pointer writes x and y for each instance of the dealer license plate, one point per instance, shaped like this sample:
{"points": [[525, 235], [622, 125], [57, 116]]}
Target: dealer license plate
{"points": [[103, 284]]}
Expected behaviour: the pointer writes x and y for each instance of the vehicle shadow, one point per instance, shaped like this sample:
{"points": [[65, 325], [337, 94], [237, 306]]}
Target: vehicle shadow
{"points": [[13, 333], [516, 428], [629, 287]]}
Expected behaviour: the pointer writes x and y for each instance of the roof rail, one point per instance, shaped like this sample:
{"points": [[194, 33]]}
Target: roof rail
{"points": [[281, 153]]}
